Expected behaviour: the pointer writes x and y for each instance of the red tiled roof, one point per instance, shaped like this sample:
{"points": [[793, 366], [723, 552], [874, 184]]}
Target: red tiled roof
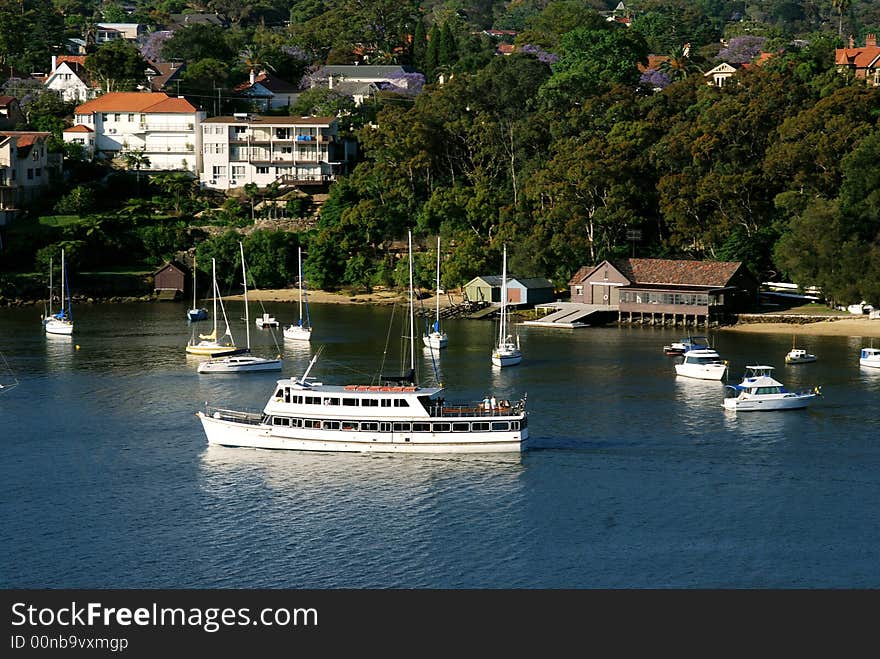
{"points": [[654, 62], [136, 102], [79, 128], [670, 272], [73, 59], [861, 58], [506, 48]]}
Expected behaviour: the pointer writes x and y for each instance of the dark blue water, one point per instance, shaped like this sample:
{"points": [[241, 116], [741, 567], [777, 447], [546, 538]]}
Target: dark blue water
{"points": [[633, 478]]}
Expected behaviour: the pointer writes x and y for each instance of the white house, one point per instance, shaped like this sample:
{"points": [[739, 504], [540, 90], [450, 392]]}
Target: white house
{"points": [[399, 78], [166, 127], [112, 31], [247, 148], [24, 170], [69, 79], [718, 76], [268, 92]]}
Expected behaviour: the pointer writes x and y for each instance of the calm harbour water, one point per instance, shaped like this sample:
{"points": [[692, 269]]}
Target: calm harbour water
{"points": [[633, 478]]}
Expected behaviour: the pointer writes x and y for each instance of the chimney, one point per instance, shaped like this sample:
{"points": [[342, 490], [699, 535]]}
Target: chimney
{"points": [[871, 41], [253, 76], [852, 43], [330, 82], [54, 58]]}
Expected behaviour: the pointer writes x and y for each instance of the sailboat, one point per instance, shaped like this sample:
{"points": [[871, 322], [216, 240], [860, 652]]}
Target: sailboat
{"points": [[196, 312], [241, 361], [207, 344], [436, 338], [302, 330], [61, 322], [507, 352]]}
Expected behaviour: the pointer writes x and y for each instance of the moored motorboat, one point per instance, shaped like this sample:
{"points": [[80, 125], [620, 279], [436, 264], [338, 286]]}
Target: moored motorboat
{"points": [[799, 356], [265, 321], [684, 344], [869, 357], [703, 364], [759, 391]]}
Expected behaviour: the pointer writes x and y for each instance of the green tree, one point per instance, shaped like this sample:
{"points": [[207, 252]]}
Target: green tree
{"points": [[118, 65], [136, 159]]}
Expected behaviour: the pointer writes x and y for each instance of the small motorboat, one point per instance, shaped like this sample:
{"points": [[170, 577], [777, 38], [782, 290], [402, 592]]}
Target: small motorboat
{"points": [[869, 357], [683, 345], [799, 356], [703, 364], [759, 391], [194, 315], [266, 320]]}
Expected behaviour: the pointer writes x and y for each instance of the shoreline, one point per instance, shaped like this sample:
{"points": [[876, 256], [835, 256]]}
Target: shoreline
{"points": [[835, 326]]}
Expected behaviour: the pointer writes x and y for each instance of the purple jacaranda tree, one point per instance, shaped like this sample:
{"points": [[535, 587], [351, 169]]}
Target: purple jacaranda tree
{"points": [[541, 54], [742, 50], [654, 79], [151, 49], [407, 82]]}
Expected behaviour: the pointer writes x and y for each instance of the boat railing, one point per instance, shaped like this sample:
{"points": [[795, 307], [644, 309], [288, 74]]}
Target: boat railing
{"points": [[481, 408], [238, 416]]}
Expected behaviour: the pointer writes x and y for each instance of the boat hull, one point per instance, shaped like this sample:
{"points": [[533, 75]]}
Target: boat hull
{"points": [[870, 363], [506, 358], [240, 365], [237, 434], [59, 327], [197, 314], [436, 340], [701, 371], [769, 403], [207, 348], [297, 333]]}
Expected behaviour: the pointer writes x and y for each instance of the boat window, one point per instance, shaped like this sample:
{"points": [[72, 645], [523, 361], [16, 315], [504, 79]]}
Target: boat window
{"points": [[480, 426], [280, 421], [500, 425], [349, 425], [310, 423], [350, 402], [297, 399], [460, 427], [370, 402], [441, 427], [401, 427], [386, 402], [401, 402], [524, 423], [369, 425], [384, 427], [331, 425], [296, 423], [514, 425], [279, 393], [421, 427], [331, 401], [313, 400], [286, 394]]}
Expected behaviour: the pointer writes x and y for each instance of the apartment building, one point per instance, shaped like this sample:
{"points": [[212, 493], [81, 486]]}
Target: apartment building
{"points": [[167, 129], [246, 148]]}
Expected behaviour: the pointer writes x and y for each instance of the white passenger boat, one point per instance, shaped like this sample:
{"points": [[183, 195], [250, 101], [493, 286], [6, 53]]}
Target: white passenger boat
{"points": [[395, 416], [869, 357], [759, 391], [703, 364]]}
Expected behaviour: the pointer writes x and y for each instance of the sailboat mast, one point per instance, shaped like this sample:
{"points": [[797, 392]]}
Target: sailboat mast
{"points": [[247, 318], [438, 285], [501, 336], [50, 288], [412, 325], [300, 268], [194, 282], [63, 290], [214, 279]]}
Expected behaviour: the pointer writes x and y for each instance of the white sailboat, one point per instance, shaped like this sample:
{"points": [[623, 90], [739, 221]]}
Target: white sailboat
{"points": [[207, 344], [436, 338], [507, 352], [61, 322], [302, 329], [196, 312], [241, 361]]}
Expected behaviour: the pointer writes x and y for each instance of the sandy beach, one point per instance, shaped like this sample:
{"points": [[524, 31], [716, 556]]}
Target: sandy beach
{"points": [[833, 326], [836, 326]]}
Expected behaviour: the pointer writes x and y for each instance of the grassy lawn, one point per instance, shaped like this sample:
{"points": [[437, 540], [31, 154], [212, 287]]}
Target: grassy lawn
{"points": [[813, 309]]}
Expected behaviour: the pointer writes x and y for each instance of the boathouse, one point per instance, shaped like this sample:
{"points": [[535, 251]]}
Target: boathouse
{"points": [[520, 291], [668, 291], [169, 280]]}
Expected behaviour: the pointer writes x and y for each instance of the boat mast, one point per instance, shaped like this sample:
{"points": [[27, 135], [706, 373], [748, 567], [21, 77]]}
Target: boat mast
{"points": [[300, 253], [214, 279], [437, 327], [412, 325], [247, 319], [501, 333], [194, 282], [50, 288], [63, 289]]}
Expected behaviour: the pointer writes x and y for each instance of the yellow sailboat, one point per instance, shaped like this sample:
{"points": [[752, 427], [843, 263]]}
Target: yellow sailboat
{"points": [[207, 344]]}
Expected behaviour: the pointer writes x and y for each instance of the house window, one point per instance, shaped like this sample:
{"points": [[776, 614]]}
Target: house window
{"points": [[130, 118], [30, 174], [104, 116], [238, 171], [262, 170], [116, 117], [578, 290], [239, 130], [218, 171], [38, 172]]}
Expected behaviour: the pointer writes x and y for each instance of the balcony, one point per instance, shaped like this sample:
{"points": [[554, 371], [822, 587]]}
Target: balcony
{"points": [[159, 149], [167, 128]]}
